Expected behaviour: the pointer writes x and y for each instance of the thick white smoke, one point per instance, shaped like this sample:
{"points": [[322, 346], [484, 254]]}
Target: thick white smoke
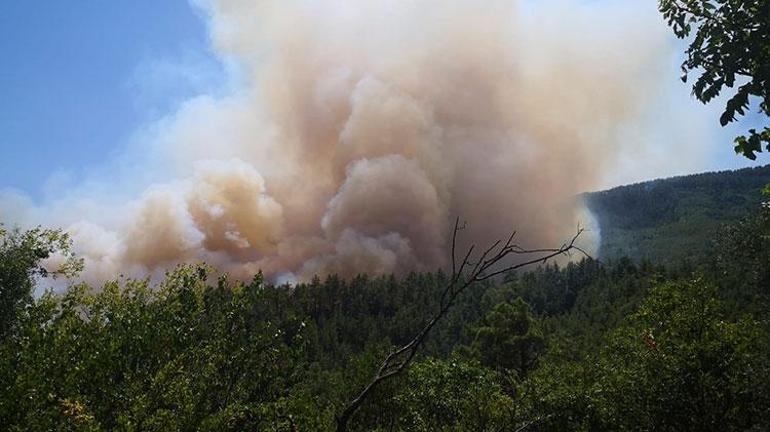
{"points": [[362, 128]]}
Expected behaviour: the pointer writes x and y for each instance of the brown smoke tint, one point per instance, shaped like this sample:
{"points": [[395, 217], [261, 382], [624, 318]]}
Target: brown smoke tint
{"points": [[362, 128]]}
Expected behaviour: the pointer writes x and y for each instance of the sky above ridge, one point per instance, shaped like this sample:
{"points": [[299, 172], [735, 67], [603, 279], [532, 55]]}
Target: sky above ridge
{"points": [[81, 80], [306, 137]]}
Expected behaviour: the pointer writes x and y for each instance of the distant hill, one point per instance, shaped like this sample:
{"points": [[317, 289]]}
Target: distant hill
{"points": [[674, 218]]}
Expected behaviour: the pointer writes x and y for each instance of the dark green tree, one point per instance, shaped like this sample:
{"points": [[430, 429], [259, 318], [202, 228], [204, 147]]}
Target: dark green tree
{"points": [[183, 355], [681, 364], [730, 47], [455, 395], [742, 254], [21, 262], [509, 339]]}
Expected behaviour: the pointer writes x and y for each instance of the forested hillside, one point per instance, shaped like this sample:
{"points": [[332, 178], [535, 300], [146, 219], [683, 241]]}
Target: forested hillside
{"points": [[590, 346], [676, 218]]}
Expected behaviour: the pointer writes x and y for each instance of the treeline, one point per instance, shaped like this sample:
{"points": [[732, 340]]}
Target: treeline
{"points": [[674, 219], [589, 346]]}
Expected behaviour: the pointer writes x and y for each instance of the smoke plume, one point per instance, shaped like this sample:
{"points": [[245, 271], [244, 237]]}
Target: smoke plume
{"points": [[358, 130]]}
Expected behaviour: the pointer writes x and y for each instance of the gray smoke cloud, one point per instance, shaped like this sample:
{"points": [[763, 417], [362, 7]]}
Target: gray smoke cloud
{"points": [[359, 130]]}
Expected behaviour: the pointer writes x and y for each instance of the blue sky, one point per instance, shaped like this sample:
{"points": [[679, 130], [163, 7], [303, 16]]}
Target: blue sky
{"points": [[78, 79]]}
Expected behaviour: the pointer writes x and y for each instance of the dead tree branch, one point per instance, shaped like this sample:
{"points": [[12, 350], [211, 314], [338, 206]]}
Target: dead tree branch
{"points": [[466, 274]]}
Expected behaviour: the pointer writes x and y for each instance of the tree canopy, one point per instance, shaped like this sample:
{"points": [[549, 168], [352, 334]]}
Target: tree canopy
{"points": [[590, 345], [620, 344], [21, 262]]}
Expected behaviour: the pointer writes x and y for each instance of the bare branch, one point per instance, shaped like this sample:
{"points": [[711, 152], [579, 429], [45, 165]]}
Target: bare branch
{"points": [[398, 360]]}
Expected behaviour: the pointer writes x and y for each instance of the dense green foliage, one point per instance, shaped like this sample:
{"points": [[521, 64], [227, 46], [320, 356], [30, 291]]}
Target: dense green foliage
{"points": [[674, 219], [680, 363], [589, 346], [22, 263], [730, 46]]}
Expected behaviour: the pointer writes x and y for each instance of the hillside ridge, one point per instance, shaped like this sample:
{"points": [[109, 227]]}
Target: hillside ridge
{"points": [[673, 218]]}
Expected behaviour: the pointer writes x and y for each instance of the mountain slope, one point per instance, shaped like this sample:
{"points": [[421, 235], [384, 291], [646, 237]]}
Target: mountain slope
{"points": [[676, 218]]}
